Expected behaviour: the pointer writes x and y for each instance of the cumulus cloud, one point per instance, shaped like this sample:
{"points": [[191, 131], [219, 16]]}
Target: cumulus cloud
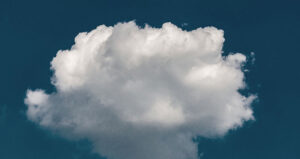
{"points": [[143, 92]]}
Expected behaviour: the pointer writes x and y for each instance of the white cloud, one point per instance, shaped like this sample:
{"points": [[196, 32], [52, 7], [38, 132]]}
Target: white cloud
{"points": [[143, 93]]}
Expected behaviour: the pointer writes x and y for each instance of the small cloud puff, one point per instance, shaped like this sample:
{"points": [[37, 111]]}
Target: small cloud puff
{"points": [[143, 93]]}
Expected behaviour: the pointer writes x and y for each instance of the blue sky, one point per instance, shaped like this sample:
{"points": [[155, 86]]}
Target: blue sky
{"points": [[33, 31]]}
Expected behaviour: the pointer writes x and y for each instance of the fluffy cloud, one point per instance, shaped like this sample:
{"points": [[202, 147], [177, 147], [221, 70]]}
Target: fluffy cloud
{"points": [[143, 93]]}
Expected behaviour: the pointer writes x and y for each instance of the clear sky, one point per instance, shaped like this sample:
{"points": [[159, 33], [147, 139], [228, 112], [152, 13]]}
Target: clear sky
{"points": [[31, 33]]}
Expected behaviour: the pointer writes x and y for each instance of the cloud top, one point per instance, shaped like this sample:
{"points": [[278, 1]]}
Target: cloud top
{"points": [[143, 93]]}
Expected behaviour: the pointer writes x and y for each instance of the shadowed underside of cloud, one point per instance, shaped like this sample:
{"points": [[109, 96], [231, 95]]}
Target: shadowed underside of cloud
{"points": [[143, 93]]}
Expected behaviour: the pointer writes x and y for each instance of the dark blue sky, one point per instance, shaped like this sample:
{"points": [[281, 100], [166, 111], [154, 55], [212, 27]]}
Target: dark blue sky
{"points": [[31, 32]]}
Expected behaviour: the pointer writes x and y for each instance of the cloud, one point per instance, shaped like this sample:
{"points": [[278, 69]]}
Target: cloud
{"points": [[143, 93]]}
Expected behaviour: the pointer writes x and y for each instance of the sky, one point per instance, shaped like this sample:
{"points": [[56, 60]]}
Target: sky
{"points": [[32, 32]]}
